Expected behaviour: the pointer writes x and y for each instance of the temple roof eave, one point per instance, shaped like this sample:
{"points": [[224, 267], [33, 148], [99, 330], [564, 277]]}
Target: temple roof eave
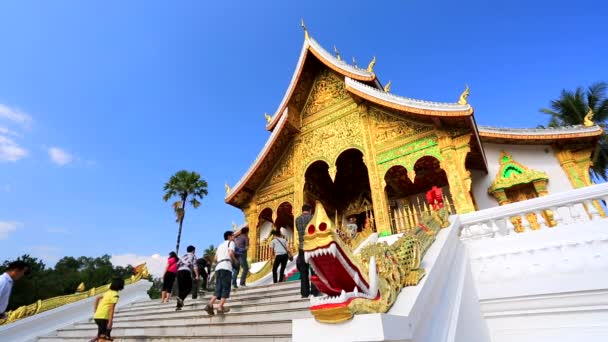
{"points": [[257, 162], [535, 135], [378, 96]]}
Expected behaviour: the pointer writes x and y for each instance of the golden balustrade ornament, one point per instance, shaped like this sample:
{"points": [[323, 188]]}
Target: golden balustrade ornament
{"points": [[55, 302]]}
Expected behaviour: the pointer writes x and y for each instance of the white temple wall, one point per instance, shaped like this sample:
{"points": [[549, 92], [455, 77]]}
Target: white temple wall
{"points": [[536, 157]]}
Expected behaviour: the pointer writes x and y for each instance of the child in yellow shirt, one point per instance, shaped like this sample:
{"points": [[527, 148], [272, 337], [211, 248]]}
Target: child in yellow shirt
{"points": [[104, 309]]}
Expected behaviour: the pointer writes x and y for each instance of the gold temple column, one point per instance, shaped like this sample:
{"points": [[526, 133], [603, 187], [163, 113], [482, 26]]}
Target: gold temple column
{"points": [[454, 152], [376, 180], [576, 165], [251, 216]]}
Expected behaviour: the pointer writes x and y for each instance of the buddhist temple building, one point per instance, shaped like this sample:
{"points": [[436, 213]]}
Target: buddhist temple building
{"points": [[339, 136]]}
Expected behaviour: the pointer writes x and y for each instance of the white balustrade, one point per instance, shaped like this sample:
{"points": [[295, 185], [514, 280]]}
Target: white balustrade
{"points": [[566, 208]]}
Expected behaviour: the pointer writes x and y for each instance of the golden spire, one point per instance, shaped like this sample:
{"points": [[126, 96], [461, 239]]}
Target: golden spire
{"points": [[227, 187], [268, 118], [337, 53], [305, 30], [463, 97], [387, 87], [589, 118], [372, 64]]}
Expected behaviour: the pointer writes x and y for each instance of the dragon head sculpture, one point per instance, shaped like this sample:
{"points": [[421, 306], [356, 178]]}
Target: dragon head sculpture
{"points": [[369, 281]]}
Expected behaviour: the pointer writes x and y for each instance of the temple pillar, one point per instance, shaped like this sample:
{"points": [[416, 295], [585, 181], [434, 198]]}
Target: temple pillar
{"points": [[251, 217], [454, 151], [376, 180], [576, 164]]}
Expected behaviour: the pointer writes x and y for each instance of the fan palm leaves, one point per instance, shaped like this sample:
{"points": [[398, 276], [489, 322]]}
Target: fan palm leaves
{"points": [[188, 187], [570, 109]]}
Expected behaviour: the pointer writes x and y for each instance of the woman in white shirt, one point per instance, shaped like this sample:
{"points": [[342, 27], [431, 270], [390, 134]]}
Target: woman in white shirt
{"points": [[279, 247]]}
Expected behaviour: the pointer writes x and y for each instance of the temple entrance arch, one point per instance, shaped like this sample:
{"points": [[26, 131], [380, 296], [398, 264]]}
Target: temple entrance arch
{"points": [[265, 224], [285, 221], [406, 191], [352, 190], [318, 186]]}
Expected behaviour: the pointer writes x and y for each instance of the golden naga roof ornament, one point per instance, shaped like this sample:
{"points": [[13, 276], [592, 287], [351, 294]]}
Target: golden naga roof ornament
{"points": [[268, 118], [306, 35], [372, 64], [227, 187], [81, 288], [387, 87], [589, 118], [463, 97], [337, 53]]}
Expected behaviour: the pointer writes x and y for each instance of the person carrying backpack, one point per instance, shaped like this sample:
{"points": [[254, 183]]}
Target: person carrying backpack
{"points": [[185, 267]]}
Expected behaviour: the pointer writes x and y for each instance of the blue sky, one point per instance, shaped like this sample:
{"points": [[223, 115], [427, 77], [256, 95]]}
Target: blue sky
{"points": [[101, 101]]}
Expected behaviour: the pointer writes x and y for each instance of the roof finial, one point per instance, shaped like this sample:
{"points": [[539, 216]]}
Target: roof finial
{"points": [[463, 97], [268, 118], [589, 118], [387, 87], [355, 62], [306, 35], [370, 67], [227, 187], [337, 53]]}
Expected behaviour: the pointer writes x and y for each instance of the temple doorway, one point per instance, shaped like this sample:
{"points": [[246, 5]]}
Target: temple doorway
{"points": [[346, 196], [285, 221], [406, 192]]}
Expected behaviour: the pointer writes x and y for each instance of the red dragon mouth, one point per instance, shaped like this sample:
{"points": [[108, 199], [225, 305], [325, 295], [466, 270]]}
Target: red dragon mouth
{"points": [[338, 278]]}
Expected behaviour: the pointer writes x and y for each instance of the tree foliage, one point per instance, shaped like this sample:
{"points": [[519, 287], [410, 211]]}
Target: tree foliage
{"points": [[63, 279], [184, 185], [570, 109]]}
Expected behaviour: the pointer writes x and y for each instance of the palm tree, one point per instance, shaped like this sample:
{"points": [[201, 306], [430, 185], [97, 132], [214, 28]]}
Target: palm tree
{"points": [[209, 252], [570, 109], [184, 184]]}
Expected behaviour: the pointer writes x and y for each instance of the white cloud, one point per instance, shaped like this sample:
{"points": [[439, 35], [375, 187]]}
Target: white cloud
{"points": [[10, 150], [59, 156], [7, 227], [156, 263], [6, 131], [48, 254], [14, 115]]}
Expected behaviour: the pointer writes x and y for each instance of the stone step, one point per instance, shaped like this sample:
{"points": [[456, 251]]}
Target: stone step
{"points": [[235, 293], [203, 318], [168, 338], [249, 299], [198, 307], [188, 327]]}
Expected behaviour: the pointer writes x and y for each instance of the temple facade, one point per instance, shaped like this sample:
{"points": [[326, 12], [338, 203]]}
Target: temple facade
{"points": [[340, 137]]}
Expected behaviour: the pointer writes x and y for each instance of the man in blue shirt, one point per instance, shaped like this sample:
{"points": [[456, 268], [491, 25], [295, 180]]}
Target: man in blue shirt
{"points": [[15, 271]]}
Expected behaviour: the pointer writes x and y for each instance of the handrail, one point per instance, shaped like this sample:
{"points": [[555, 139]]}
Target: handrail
{"points": [[540, 203], [543, 211], [55, 302]]}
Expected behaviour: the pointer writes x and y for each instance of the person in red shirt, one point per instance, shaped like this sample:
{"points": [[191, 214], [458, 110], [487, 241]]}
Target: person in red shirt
{"points": [[169, 277]]}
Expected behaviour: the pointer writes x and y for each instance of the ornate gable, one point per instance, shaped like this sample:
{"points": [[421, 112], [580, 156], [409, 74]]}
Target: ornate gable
{"points": [[328, 90], [512, 173], [390, 129]]}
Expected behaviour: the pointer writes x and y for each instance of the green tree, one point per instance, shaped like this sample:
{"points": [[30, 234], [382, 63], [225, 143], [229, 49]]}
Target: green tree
{"points": [[571, 107], [209, 253], [184, 184]]}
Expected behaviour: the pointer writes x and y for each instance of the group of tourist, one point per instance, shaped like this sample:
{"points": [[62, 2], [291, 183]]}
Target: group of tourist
{"points": [[190, 272]]}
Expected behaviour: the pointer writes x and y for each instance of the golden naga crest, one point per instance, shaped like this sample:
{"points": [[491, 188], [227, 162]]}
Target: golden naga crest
{"points": [[367, 282], [588, 122], [462, 100]]}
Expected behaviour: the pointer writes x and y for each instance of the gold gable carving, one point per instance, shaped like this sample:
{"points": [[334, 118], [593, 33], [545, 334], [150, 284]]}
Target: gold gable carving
{"points": [[284, 168], [388, 127], [328, 89]]}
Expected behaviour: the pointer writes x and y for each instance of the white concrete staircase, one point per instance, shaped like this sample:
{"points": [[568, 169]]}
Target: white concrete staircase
{"points": [[261, 313]]}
